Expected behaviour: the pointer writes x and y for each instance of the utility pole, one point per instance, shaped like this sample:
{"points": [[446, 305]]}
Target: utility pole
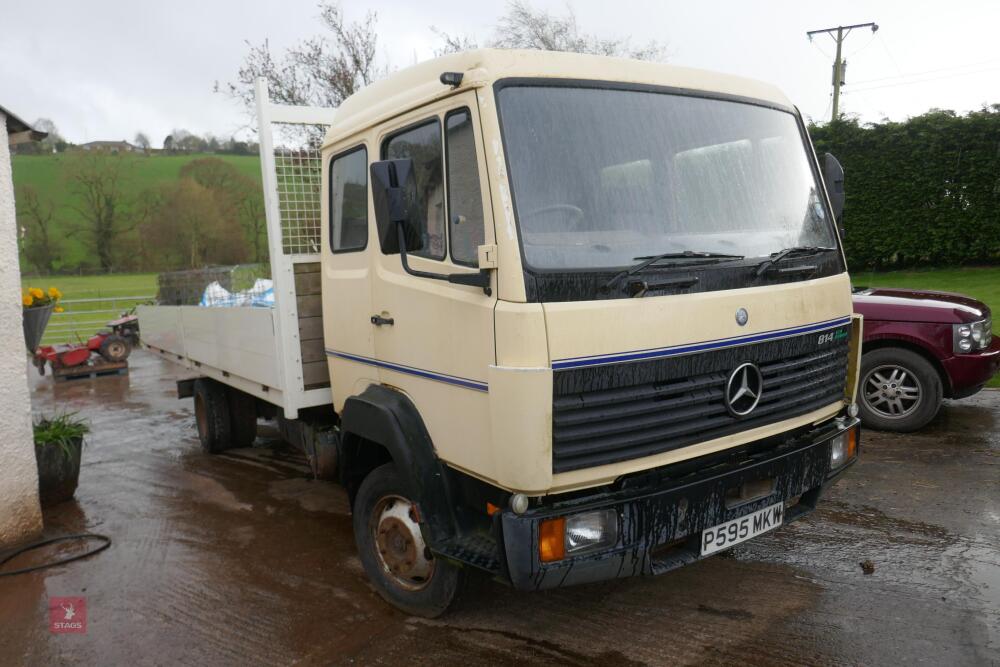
{"points": [[838, 64]]}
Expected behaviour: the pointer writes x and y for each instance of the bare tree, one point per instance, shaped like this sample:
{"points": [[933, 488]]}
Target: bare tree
{"points": [[524, 27], [188, 228], [97, 181], [142, 141], [321, 71], [326, 69], [238, 197], [212, 173], [41, 245], [250, 203]]}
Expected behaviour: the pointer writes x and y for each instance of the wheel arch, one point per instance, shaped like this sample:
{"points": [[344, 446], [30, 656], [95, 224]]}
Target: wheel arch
{"points": [[915, 346], [382, 425]]}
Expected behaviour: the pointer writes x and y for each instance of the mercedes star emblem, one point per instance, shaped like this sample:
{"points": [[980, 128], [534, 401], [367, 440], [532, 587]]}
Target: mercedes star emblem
{"points": [[743, 390], [742, 316]]}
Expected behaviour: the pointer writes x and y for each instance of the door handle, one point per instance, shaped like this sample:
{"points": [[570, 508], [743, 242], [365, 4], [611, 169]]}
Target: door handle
{"points": [[378, 320]]}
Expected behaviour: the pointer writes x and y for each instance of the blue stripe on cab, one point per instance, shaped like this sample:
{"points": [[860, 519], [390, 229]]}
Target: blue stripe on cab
{"points": [[410, 370], [657, 353]]}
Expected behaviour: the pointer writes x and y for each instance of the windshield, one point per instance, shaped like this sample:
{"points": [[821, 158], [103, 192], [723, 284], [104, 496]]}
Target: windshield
{"points": [[602, 177]]}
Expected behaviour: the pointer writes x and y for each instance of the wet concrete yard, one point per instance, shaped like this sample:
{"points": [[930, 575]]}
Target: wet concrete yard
{"points": [[241, 559]]}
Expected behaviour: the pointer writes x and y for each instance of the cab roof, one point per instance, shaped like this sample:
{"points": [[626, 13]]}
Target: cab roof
{"points": [[420, 84]]}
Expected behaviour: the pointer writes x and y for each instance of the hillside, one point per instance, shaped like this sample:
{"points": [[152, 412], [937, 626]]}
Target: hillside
{"points": [[44, 172]]}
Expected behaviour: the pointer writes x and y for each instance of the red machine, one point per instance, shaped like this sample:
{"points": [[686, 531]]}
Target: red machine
{"points": [[111, 347]]}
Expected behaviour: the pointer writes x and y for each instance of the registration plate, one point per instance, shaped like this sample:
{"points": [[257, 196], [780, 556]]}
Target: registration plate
{"points": [[742, 529]]}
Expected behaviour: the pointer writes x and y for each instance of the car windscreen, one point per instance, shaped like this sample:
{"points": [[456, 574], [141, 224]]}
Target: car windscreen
{"points": [[602, 177]]}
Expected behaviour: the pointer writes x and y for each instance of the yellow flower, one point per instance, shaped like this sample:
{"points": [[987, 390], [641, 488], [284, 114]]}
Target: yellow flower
{"points": [[59, 309], [54, 293], [37, 293], [27, 300]]}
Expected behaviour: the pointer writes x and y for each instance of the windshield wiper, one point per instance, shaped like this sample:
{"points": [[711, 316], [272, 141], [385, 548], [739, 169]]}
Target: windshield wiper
{"points": [[796, 251], [649, 260]]}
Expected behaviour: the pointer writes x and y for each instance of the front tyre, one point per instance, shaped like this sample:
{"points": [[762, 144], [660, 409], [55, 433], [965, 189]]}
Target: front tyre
{"points": [[900, 390], [392, 550]]}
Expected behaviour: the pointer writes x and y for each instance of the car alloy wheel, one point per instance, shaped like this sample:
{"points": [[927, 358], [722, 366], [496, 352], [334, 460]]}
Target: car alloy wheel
{"points": [[892, 391]]}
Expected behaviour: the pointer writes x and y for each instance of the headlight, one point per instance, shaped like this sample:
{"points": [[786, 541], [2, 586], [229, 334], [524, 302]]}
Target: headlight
{"points": [[972, 336], [843, 448], [577, 534]]}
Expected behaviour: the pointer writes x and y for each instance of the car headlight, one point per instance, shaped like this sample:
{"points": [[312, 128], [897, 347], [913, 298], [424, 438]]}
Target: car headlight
{"points": [[577, 534], [972, 336]]}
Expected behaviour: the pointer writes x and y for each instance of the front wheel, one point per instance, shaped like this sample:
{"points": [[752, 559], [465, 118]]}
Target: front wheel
{"points": [[900, 390], [392, 549]]}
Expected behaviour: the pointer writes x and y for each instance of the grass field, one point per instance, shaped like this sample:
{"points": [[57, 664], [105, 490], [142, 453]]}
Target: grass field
{"points": [[981, 283], [45, 173]]}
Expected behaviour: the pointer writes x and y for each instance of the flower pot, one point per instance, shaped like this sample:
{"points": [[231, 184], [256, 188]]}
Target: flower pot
{"points": [[58, 471], [35, 321]]}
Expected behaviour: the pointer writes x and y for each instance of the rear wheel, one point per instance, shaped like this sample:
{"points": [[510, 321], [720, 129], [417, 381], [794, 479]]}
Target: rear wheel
{"points": [[242, 418], [211, 413], [392, 550], [115, 348], [900, 390]]}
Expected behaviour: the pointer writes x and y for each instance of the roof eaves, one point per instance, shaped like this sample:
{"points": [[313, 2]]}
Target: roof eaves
{"points": [[19, 129]]}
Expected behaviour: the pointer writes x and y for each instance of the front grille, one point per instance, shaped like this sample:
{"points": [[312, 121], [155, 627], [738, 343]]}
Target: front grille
{"points": [[615, 412]]}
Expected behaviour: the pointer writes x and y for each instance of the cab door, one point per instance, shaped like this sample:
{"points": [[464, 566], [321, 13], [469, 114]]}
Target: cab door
{"points": [[347, 268], [434, 339]]}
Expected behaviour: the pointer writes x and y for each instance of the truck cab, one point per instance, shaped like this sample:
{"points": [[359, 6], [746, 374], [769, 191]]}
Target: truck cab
{"points": [[584, 309]]}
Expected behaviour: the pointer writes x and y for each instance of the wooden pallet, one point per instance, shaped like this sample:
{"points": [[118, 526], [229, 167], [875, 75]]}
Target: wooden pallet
{"points": [[90, 371]]}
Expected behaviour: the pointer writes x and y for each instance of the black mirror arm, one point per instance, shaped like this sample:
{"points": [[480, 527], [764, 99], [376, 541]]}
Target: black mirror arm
{"points": [[479, 279]]}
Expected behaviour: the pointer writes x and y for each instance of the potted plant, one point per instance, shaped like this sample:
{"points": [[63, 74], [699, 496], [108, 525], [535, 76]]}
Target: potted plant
{"points": [[38, 308], [58, 446]]}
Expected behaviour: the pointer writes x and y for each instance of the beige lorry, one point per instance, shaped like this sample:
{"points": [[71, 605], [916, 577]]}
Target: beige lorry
{"points": [[581, 318]]}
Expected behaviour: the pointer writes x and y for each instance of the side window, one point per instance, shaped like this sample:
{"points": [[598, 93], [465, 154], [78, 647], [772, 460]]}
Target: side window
{"points": [[349, 201], [422, 144], [465, 201]]}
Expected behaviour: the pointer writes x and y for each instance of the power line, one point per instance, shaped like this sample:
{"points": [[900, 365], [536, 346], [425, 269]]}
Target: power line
{"points": [[838, 64], [885, 46], [933, 78], [857, 51], [930, 71]]}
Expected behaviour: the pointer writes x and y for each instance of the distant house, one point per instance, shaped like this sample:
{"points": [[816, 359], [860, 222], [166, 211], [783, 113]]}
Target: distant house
{"points": [[110, 147]]}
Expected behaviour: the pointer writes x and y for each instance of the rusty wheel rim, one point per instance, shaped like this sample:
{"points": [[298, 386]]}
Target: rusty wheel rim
{"points": [[116, 350], [399, 545]]}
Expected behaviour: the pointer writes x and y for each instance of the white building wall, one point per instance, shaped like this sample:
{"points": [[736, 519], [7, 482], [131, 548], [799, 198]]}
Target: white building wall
{"points": [[20, 514]]}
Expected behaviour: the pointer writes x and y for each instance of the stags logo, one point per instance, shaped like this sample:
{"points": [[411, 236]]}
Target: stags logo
{"points": [[68, 615]]}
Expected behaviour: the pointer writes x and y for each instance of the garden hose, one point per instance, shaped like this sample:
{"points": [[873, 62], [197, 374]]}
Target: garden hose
{"points": [[64, 538]]}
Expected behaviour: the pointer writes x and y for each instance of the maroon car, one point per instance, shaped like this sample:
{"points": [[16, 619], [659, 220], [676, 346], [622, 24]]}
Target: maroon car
{"points": [[920, 347]]}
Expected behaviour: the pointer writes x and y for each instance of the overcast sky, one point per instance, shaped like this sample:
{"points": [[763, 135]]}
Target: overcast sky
{"points": [[105, 69]]}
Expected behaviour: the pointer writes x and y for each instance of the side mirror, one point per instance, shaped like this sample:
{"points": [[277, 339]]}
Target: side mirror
{"points": [[394, 195], [833, 176]]}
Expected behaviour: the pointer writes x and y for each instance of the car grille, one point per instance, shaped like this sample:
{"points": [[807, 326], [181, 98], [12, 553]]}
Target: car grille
{"points": [[615, 412]]}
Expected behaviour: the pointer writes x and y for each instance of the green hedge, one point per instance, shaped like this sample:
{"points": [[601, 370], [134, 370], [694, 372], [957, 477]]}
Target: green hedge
{"points": [[925, 192]]}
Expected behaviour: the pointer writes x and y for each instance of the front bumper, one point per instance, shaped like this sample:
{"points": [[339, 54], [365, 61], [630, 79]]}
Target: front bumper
{"points": [[662, 513], [968, 373]]}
